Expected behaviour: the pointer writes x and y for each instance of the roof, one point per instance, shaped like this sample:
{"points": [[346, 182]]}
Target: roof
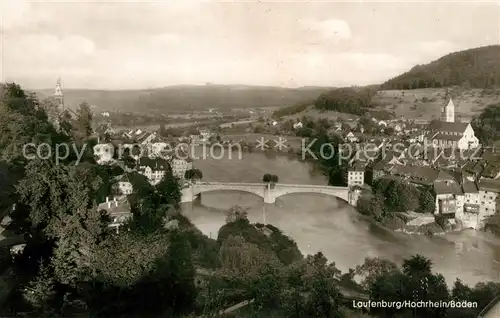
{"points": [[442, 136], [443, 126], [419, 175], [357, 166], [492, 170], [492, 185], [447, 187], [116, 206], [470, 187], [445, 176], [156, 164]]}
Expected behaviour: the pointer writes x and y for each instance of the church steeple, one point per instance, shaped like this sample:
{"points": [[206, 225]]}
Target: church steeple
{"points": [[449, 112], [58, 95]]}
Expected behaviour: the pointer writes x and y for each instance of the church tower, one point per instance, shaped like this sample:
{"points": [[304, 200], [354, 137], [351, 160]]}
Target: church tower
{"points": [[59, 96], [448, 113]]}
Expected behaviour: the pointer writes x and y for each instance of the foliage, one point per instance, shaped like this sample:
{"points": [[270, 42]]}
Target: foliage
{"points": [[193, 174], [427, 202], [346, 100], [487, 124], [292, 110], [373, 268], [40, 293], [414, 282], [478, 68]]}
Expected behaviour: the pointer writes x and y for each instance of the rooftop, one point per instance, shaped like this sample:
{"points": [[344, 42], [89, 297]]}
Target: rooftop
{"points": [[489, 185], [442, 126], [447, 187]]}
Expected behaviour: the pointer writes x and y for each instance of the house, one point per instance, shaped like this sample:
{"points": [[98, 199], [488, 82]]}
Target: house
{"points": [[382, 123], [351, 137], [118, 209], [124, 186], [489, 196], [145, 138], [418, 176], [416, 136], [180, 166], [470, 217], [205, 135], [491, 170], [448, 133], [153, 169], [158, 148], [356, 175], [298, 125], [449, 195], [104, 152]]}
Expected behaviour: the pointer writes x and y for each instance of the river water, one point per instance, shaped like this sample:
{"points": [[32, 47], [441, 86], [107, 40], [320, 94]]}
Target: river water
{"points": [[323, 223]]}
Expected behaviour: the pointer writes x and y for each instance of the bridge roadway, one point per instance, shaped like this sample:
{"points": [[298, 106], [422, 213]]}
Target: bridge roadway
{"points": [[266, 191]]}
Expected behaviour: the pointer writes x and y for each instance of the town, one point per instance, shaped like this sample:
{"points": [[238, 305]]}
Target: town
{"points": [[442, 155], [254, 159]]}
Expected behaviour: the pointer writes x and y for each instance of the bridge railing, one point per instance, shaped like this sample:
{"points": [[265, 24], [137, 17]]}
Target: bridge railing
{"points": [[309, 186]]}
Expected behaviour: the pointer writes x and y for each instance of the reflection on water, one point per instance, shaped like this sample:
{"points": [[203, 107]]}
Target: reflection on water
{"points": [[322, 223]]}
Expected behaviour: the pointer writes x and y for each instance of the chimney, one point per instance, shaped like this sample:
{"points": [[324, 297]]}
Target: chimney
{"points": [[107, 199], [109, 204]]}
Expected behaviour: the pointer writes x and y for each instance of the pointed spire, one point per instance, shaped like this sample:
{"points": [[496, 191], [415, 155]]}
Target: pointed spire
{"points": [[58, 89]]}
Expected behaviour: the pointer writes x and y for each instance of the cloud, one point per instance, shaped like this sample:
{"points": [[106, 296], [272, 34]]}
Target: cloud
{"points": [[330, 29]]}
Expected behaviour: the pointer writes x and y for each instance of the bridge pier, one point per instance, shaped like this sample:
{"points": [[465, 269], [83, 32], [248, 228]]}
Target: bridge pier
{"points": [[187, 195], [269, 196]]}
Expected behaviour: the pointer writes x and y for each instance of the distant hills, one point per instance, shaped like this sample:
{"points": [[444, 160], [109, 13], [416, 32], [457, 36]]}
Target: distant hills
{"points": [[189, 98], [476, 68]]}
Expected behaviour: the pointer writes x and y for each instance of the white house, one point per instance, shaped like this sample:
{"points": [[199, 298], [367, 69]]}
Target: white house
{"points": [[180, 166], [124, 185], [118, 210], [356, 175], [382, 123], [470, 214], [489, 198], [298, 125], [153, 169], [351, 137], [452, 135], [449, 196], [104, 152]]}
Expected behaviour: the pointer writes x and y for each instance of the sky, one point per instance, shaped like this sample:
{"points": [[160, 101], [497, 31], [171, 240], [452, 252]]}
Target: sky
{"points": [[134, 45]]}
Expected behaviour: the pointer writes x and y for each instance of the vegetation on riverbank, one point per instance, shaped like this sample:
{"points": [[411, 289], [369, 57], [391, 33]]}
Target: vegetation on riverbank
{"points": [[161, 265]]}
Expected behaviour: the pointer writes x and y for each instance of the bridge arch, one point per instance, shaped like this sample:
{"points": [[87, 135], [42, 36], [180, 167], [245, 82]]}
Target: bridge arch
{"points": [[255, 189], [337, 192]]}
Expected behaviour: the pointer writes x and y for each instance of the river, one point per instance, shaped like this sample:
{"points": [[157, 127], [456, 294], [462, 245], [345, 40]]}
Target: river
{"points": [[323, 223]]}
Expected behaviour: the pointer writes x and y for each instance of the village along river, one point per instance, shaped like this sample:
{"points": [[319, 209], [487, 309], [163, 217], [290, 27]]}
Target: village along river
{"points": [[323, 223]]}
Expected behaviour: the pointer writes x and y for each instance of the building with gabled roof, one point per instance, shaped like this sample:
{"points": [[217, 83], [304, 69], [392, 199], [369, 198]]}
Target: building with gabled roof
{"points": [[489, 196], [154, 169], [118, 209], [447, 133]]}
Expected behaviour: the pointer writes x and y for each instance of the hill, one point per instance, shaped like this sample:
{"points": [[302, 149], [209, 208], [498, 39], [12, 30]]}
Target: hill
{"points": [[470, 77], [475, 68], [188, 98]]}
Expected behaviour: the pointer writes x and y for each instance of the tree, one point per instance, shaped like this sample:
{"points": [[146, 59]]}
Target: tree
{"points": [[40, 293], [236, 213], [84, 120], [427, 202], [192, 174], [374, 268], [267, 178]]}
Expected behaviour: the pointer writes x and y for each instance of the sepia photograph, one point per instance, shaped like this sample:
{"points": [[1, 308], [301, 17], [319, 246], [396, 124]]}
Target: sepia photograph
{"points": [[282, 159]]}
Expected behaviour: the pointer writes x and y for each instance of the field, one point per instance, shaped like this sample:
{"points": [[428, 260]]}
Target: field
{"points": [[427, 103], [423, 104]]}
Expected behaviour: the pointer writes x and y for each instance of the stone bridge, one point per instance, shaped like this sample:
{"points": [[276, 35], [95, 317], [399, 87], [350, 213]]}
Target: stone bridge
{"points": [[267, 191]]}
